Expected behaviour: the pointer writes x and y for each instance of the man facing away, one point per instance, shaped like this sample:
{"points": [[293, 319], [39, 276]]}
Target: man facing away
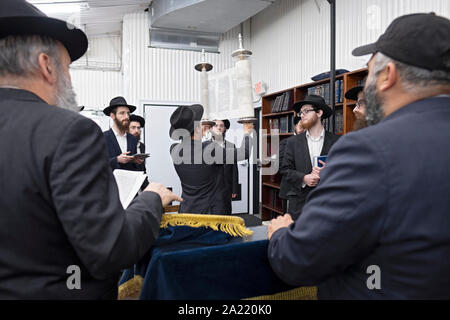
{"points": [[377, 225], [63, 231], [199, 164]]}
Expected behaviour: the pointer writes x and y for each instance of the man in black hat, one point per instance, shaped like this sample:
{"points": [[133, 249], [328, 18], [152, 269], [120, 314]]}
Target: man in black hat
{"points": [[64, 233], [286, 190], [228, 179], [298, 168], [121, 145], [136, 125], [377, 225], [357, 94], [200, 164]]}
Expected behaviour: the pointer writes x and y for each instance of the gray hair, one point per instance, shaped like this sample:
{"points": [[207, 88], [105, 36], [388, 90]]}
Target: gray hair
{"points": [[19, 54], [414, 79]]}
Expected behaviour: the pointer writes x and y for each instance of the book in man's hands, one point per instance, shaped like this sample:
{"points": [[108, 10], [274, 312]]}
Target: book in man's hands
{"points": [[141, 155], [129, 183], [317, 163]]}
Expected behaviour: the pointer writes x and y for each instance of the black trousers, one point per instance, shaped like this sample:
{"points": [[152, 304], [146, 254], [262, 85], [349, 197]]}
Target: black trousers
{"points": [[295, 206]]}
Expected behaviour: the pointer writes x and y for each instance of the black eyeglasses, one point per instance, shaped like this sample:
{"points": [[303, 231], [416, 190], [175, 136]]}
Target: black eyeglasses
{"points": [[304, 112], [361, 103]]}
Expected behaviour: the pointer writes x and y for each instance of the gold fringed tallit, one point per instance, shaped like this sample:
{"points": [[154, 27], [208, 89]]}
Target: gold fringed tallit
{"points": [[302, 293], [234, 226], [131, 289]]}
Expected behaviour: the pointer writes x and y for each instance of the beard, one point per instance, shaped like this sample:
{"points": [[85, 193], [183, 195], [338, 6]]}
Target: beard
{"points": [[122, 125], [308, 124], [374, 105], [360, 121], [359, 124], [65, 95]]}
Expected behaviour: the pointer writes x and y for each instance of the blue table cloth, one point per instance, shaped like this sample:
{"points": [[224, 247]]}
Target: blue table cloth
{"points": [[199, 263]]}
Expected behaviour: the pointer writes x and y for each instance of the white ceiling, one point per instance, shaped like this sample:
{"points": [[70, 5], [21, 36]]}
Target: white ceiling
{"points": [[96, 17]]}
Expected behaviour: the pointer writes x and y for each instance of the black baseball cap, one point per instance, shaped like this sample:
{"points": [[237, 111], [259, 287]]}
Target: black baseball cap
{"points": [[420, 39]]}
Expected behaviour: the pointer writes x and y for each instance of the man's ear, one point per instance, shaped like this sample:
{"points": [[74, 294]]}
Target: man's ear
{"points": [[320, 113], [47, 70], [388, 77]]}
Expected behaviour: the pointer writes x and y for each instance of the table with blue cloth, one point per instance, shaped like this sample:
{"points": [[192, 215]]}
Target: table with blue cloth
{"points": [[189, 263]]}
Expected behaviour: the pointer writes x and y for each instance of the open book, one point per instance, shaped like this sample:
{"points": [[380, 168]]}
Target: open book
{"points": [[129, 183]]}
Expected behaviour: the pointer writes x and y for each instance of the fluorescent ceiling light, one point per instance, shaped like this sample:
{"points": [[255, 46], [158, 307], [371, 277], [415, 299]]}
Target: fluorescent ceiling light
{"points": [[50, 7]]}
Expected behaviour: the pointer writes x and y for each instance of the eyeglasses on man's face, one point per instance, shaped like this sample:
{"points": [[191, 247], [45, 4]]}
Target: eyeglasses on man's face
{"points": [[305, 112], [361, 103]]}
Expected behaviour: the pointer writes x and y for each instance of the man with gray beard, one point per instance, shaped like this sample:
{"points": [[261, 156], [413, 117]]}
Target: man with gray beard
{"points": [[377, 226], [63, 231]]}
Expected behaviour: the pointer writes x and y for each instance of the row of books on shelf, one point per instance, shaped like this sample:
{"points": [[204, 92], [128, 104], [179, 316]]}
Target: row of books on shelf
{"points": [[282, 102], [283, 123], [338, 121], [323, 90]]}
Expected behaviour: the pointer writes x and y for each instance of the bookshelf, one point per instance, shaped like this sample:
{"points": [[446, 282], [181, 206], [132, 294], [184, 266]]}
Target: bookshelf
{"points": [[277, 113]]}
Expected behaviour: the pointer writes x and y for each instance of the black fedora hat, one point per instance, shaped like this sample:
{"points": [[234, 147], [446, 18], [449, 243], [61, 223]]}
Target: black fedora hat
{"points": [[418, 39], [118, 102], [137, 118], [184, 117], [20, 18], [226, 123], [316, 101], [352, 94]]}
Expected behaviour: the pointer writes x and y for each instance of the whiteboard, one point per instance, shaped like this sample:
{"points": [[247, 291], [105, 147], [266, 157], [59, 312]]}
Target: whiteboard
{"points": [[157, 142]]}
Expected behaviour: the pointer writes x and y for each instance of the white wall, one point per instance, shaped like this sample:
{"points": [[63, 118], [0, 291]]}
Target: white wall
{"points": [[291, 39], [97, 77], [163, 74]]}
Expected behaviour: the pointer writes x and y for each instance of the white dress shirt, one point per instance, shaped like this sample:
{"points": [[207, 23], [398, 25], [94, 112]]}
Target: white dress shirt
{"points": [[315, 145], [122, 140]]}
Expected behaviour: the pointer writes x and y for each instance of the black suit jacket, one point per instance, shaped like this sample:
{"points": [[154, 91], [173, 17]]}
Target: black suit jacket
{"points": [[297, 163], [199, 178], [113, 149], [227, 183], [383, 200], [285, 187], [59, 205]]}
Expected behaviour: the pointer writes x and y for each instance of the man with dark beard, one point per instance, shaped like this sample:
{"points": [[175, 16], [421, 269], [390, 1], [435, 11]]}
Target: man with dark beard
{"points": [[121, 145], [298, 166], [63, 231], [377, 226], [357, 94]]}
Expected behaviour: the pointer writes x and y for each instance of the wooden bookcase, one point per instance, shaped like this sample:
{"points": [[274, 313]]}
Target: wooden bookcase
{"points": [[271, 203]]}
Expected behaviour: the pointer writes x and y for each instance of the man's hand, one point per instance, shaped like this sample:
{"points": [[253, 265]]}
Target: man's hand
{"points": [[138, 160], [248, 127], [311, 180], [278, 223], [166, 195], [124, 158], [234, 195], [316, 171]]}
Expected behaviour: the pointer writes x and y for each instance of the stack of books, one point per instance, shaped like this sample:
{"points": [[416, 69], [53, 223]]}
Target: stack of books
{"points": [[282, 102], [323, 90]]}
